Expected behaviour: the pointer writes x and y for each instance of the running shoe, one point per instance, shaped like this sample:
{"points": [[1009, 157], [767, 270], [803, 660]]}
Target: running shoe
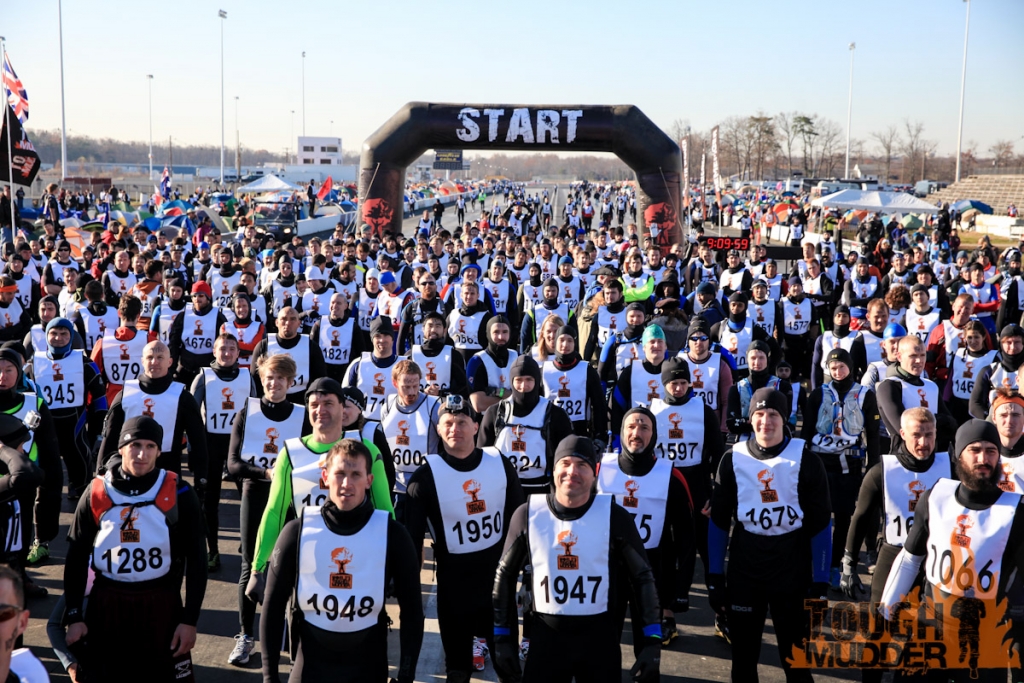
{"points": [[722, 629], [38, 552], [524, 649], [480, 653], [213, 563], [668, 630], [243, 648]]}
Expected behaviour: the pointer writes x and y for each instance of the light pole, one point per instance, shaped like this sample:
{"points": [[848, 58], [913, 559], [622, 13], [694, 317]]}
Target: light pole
{"points": [[963, 80], [849, 112], [149, 81], [303, 93], [63, 123], [223, 15], [238, 145], [293, 137]]}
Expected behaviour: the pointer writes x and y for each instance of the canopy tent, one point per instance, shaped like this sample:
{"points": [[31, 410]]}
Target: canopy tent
{"points": [[878, 202], [267, 183]]}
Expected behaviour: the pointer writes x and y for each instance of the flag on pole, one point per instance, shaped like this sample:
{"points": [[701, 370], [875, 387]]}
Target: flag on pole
{"points": [[716, 178], [16, 93], [165, 183], [17, 155], [325, 188], [703, 183], [684, 146]]}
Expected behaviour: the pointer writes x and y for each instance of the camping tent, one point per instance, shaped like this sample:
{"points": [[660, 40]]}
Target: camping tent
{"points": [[879, 202], [267, 183]]}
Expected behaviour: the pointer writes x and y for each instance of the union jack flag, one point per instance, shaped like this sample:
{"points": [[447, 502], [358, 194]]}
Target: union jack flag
{"points": [[16, 93]]}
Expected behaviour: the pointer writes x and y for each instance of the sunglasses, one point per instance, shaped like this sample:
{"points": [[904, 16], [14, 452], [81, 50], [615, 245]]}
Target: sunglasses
{"points": [[8, 612], [701, 338]]}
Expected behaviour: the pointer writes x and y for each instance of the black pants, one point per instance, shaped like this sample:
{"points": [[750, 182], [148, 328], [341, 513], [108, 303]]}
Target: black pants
{"points": [[217, 451], [74, 450], [748, 609], [558, 655], [843, 490], [464, 610], [255, 495], [322, 660], [798, 349], [886, 556], [696, 480]]}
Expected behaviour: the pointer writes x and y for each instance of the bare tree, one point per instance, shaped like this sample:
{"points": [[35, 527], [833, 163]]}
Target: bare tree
{"points": [[761, 129], [805, 128], [679, 129], [1002, 153], [911, 146], [831, 147], [788, 134], [888, 142], [969, 158]]}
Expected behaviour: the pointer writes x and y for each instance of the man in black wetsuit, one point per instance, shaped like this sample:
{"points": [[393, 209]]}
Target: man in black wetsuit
{"points": [[463, 495], [577, 543], [338, 561]]}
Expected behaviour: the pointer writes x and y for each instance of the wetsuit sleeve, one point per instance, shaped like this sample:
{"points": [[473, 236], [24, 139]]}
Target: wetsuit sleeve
{"points": [[174, 337], [734, 419], [487, 435], [561, 426], [871, 421], [979, 396], [626, 543], [21, 476], [817, 374], [476, 376], [513, 558], [812, 489], [281, 577], [890, 404], [317, 366], [675, 546], [526, 334], [96, 390], [865, 516], [276, 513], [237, 467], [191, 422], [111, 431], [723, 507], [606, 361], [714, 444], [404, 568], [198, 390], [76, 565], [725, 381], [860, 356], [191, 543], [595, 394], [621, 398], [48, 497]]}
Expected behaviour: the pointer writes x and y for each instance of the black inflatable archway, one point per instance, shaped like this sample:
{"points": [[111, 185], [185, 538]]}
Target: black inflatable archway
{"points": [[623, 130]]}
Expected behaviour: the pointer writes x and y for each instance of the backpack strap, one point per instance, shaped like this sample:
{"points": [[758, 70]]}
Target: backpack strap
{"points": [[99, 499], [167, 496]]}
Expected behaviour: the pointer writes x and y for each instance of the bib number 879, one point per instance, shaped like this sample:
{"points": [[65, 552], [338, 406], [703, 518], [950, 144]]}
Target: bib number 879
{"points": [[563, 593], [333, 610]]}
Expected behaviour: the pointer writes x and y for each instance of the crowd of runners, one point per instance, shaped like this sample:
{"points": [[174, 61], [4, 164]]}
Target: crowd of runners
{"points": [[570, 414]]}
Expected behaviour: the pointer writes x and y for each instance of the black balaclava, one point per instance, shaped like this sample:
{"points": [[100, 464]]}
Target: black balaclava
{"points": [[759, 378], [841, 386], [498, 352], [641, 462], [738, 320], [432, 347], [841, 331], [524, 403], [551, 303], [535, 279], [635, 331], [565, 361], [1011, 362], [238, 292]]}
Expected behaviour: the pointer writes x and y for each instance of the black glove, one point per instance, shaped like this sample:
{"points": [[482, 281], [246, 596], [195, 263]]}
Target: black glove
{"points": [[849, 582], [718, 594], [647, 668], [505, 657]]}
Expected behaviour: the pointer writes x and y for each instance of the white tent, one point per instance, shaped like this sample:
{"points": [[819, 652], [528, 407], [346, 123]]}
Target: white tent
{"points": [[267, 183], [879, 202]]}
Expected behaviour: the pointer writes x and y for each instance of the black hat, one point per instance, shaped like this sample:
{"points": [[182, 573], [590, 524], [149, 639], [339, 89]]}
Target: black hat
{"points": [[382, 325], [841, 308], [973, 431], [524, 366], [325, 385], [737, 298], [577, 447], [760, 345], [674, 369], [766, 397], [1011, 330], [841, 355], [636, 306], [355, 395], [551, 282], [699, 325], [140, 428]]}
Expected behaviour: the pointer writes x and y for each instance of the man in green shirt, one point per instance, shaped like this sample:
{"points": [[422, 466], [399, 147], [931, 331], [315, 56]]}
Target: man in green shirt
{"points": [[298, 476]]}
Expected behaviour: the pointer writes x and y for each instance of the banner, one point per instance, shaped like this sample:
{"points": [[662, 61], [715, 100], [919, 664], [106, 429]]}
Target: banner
{"points": [[684, 146], [16, 152], [703, 183], [716, 177], [325, 189]]}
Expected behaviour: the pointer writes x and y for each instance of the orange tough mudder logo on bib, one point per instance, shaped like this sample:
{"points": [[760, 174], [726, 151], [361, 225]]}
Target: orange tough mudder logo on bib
{"points": [[629, 500], [960, 537], [124, 352], [227, 403], [198, 331], [1007, 483], [58, 376], [652, 390], [472, 489], [916, 489], [564, 391], [567, 560], [698, 383], [518, 431], [341, 579], [378, 387], [335, 338], [270, 446], [431, 371], [403, 438], [675, 432], [941, 632], [768, 495], [924, 398], [148, 404], [129, 534]]}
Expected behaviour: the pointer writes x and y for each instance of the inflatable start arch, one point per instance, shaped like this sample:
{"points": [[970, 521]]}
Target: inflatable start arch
{"points": [[622, 130]]}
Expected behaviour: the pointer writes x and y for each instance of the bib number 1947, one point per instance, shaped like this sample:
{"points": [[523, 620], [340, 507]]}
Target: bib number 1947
{"points": [[563, 593]]}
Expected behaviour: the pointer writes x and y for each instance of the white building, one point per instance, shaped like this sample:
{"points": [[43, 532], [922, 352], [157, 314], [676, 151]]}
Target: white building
{"points": [[316, 151]]}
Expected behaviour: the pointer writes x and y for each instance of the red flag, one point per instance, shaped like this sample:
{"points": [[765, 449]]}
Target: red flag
{"points": [[325, 188]]}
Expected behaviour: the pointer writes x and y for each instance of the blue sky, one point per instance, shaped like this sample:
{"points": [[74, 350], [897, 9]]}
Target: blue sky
{"points": [[676, 59]]}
